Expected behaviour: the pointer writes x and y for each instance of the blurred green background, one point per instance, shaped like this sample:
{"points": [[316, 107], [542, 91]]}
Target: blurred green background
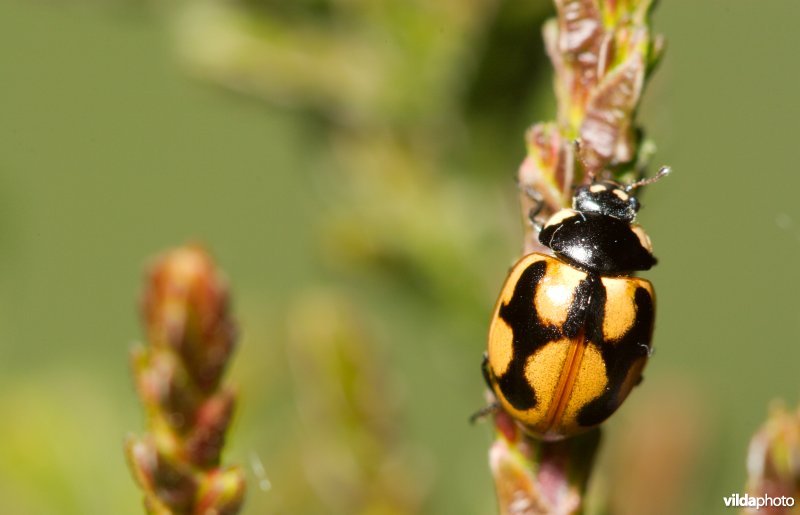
{"points": [[370, 166]]}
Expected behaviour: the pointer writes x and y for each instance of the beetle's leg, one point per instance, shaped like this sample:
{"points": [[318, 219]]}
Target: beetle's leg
{"points": [[646, 351], [538, 205], [532, 216], [492, 406], [485, 411], [487, 374]]}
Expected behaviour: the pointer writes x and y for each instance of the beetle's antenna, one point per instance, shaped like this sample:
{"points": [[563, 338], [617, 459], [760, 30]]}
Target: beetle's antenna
{"points": [[663, 172]]}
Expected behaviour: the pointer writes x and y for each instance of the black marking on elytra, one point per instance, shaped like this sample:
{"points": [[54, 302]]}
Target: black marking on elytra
{"points": [[584, 307], [529, 335], [619, 356], [596, 311], [598, 244]]}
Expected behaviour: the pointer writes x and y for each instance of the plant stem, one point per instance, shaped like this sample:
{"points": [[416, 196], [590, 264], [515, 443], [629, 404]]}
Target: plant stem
{"points": [[536, 477], [602, 52]]}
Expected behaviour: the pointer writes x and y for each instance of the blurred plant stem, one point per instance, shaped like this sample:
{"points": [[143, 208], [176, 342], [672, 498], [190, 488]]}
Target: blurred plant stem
{"points": [[389, 80], [190, 340], [353, 61], [397, 83], [652, 462], [355, 458], [773, 460], [602, 52]]}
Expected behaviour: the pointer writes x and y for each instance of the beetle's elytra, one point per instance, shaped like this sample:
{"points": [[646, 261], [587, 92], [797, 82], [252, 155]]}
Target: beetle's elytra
{"points": [[570, 334]]}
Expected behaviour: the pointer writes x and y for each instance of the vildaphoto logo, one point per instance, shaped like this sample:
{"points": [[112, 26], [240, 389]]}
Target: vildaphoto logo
{"points": [[762, 501]]}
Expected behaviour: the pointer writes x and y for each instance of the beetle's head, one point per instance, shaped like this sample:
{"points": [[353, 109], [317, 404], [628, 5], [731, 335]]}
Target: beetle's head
{"points": [[611, 198], [607, 198]]}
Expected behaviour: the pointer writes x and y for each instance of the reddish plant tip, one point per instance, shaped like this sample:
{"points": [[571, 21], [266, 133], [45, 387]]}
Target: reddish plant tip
{"points": [[773, 459], [190, 340], [185, 307]]}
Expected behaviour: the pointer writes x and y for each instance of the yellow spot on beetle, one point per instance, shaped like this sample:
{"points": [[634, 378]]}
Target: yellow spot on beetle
{"points": [[620, 312], [644, 239], [555, 293], [560, 216], [501, 338], [543, 372], [501, 346], [621, 195], [590, 382]]}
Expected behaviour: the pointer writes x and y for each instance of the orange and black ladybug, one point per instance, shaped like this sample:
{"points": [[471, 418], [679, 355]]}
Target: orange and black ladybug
{"points": [[570, 334]]}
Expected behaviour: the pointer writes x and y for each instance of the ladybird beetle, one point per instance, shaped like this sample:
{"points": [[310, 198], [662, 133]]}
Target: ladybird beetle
{"points": [[570, 334]]}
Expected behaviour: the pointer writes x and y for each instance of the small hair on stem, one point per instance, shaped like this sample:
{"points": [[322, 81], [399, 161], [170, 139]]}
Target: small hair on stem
{"points": [[591, 171]]}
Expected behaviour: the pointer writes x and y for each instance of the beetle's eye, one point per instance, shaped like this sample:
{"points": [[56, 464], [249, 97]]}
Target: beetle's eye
{"points": [[635, 204]]}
